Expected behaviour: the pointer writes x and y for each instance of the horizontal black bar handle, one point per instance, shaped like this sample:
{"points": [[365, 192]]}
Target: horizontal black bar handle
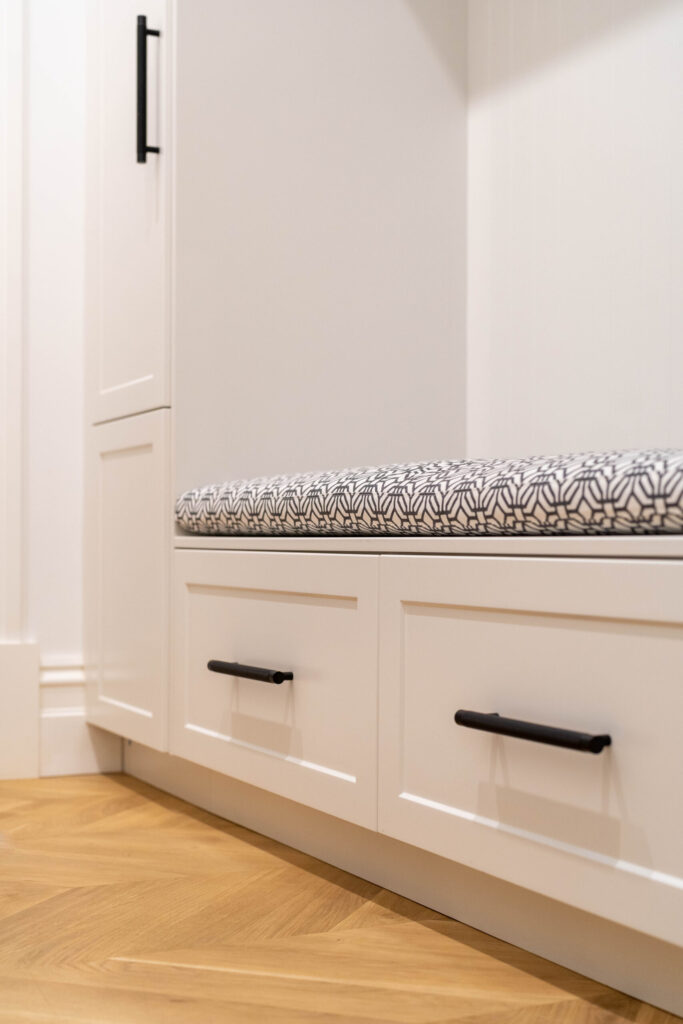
{"points": [[143, 32], [531, 731], [263, 675]]}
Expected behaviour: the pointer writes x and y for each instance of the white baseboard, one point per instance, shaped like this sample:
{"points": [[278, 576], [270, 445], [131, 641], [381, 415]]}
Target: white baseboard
{"points": [[19, 702], [624, 959], [68, 745]]}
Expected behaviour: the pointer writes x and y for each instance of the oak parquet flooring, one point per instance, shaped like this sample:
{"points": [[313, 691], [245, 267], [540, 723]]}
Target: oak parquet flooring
{"points": [[122, 904]]}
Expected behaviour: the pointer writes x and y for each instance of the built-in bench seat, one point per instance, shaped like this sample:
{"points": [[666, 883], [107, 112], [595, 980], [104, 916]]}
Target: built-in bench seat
{"points": [[625, 492]]}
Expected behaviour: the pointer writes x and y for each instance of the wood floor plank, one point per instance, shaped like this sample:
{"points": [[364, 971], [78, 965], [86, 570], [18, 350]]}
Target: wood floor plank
{"points": [[49, 1001], [16, 898], [397, 1003], [122, 904], [385, 908], [405, 956]]}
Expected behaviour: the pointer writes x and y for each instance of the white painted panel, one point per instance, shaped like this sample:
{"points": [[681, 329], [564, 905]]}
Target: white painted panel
{"points": [[575, 225], [54, 328], [319, 234], [314, 738], [127, 555], [127, 258], [69, 746], [12, 411], [590, 646]]}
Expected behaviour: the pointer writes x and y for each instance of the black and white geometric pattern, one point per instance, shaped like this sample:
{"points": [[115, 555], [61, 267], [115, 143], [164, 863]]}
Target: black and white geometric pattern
{"points": [[594, 493]]}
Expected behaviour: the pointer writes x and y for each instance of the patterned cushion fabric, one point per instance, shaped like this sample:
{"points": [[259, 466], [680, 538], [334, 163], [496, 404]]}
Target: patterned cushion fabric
{"points": [[593, 493]]}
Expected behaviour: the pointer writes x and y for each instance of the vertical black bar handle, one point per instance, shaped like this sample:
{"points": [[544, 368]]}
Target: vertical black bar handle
{"points": [[143, 32]]}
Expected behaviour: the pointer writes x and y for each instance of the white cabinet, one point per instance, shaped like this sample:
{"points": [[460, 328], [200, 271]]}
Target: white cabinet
{"points": [[126, 588], [127, 514], [594, 646], [127, 292], [312, 738], [584, 645]]}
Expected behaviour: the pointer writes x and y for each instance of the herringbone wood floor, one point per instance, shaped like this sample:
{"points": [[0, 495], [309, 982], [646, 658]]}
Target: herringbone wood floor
{"points": [[121, 904]]}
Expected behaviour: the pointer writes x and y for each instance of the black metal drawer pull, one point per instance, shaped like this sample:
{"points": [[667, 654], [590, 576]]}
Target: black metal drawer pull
{"points": [[143, 32], [531, 731], [263, 675]]}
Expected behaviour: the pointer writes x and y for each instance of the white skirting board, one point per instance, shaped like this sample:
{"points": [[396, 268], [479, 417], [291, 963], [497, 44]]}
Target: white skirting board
{"points": [[19, 732], [624, 959], [68, 745]]}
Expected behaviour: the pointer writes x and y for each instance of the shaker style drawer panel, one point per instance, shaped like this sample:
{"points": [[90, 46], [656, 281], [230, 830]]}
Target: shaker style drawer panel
{"points": [[586, 647], [305, 726], [127, 538]]}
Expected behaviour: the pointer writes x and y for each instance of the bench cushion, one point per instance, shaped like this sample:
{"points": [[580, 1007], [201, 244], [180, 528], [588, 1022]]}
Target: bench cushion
{"points": [[592, 493]]}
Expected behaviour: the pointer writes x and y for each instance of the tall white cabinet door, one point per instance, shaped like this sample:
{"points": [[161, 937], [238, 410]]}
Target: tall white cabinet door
{"points": [[127, 265], [530, 652], [127, 528]]}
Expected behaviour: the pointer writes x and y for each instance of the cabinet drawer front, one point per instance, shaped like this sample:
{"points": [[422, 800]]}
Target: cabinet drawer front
{"points": [[312, 738], [582, 645]]}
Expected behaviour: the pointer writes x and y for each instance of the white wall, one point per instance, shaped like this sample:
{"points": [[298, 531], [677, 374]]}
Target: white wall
{"points": [[11, 317], [319, 235], [54, 323], [575, 207]]}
